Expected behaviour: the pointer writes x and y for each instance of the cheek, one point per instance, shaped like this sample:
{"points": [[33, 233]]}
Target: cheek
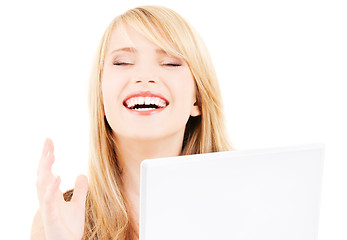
{"points": [[183, 90], [106, 89], [184, 85], [109, 94], [110, 102], [111, 83]]}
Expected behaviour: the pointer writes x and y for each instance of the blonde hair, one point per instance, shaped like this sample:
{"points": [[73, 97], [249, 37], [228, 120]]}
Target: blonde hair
{"points": [[106, 207]]}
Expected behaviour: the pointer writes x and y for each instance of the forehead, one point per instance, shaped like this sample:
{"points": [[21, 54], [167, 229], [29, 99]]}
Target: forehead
{"points": [[125, 38]]}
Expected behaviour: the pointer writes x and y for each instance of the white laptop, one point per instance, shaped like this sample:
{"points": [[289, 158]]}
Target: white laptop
{"points": [[271, 194]]}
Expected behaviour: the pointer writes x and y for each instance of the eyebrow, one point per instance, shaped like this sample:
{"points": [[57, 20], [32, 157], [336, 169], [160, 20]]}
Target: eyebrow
{"points": [[125, 49], [133, 50]]}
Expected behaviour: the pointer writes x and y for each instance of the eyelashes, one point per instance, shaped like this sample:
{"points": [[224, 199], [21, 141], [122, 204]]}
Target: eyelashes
{"points": [[173, 64], [122, 63], [164, 64]]}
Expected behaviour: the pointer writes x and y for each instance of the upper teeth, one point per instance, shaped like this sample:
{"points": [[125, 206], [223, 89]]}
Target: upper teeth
{"points": [[145, 101]]}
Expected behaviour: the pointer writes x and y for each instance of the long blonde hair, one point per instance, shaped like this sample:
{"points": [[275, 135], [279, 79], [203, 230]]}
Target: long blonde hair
{"points": [[106, 207]]}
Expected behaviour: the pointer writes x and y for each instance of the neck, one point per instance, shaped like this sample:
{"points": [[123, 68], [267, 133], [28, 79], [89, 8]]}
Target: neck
{"points": [[131, 152]]}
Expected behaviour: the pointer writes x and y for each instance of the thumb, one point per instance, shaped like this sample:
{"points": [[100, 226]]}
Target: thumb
{"points": [[80, 190]]}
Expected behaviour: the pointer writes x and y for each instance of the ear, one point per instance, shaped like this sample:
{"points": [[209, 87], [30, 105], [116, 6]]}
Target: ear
{"points": [[195, 110]]}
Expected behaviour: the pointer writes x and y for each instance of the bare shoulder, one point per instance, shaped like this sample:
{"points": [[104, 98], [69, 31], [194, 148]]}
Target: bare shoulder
{"points": [[37, 231]]}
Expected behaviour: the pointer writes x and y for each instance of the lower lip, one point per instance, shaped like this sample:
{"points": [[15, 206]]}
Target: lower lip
{"points": [[146, 113]]}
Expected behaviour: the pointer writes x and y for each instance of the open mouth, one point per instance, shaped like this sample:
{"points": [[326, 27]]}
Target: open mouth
{"points": [[139, 103]]}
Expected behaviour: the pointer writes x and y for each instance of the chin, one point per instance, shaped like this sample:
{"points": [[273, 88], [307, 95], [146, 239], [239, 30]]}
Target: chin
{"points": [[147, 135], [151, 134]]}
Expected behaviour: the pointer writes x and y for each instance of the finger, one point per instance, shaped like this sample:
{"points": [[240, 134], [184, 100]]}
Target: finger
{"points": [[48, 147], [45, 175], [49, 205], [80, 191]]}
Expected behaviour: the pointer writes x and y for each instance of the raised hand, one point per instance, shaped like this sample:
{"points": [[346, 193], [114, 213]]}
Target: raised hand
{"points": [[61, 220]]}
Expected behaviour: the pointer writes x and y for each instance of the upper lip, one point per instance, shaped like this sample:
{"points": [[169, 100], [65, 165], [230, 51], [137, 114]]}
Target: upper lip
{"points": [[145, 94]]}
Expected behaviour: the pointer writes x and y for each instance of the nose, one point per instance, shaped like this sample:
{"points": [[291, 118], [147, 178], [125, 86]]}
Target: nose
{"points": [[147, 80], [146, 72]]}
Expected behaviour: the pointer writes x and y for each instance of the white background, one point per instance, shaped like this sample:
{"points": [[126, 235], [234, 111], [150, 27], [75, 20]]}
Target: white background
{"points": [[282, 66]]}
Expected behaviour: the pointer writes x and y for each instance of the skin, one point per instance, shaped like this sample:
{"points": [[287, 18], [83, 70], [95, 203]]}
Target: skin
{"points": [[57, 219], [145, 68]]}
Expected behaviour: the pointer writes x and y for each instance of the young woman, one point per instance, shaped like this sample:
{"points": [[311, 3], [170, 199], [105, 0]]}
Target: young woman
{"points": [[153, 93]]}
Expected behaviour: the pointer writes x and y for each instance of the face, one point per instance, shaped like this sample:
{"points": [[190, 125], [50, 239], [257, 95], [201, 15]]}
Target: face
{"points": [[147, 93]]}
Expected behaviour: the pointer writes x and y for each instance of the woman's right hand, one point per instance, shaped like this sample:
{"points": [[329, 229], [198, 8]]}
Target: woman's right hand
{"points": [[61, 220]]}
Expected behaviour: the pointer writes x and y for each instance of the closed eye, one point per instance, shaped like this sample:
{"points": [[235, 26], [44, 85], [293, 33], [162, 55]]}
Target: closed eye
{"points": [[172, 65], [127, 63], [122, 63]]}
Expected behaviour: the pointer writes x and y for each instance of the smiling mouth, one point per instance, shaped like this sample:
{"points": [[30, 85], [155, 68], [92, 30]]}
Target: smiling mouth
{"points": [[140, 103]]}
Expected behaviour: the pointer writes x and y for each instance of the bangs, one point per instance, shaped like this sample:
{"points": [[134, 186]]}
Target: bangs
{"points": [[162, 29]]}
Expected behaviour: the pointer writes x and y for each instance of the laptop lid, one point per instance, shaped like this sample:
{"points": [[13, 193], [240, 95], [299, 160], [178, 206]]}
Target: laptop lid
{"points": [[265, 194]]}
